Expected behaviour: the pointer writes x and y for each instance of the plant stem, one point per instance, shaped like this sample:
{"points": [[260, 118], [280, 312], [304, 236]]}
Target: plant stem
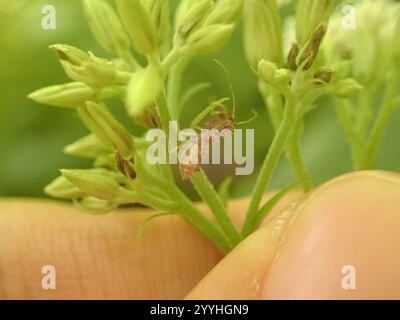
{"points": [[213, 200], [205, 226], [273, 102], [196, 218], [187, 210], [381, 122], [270, 162], [165, 119], [171, 58], [364, 114], [201, 223], [163, 112], [344, 111], [174, 86], [297, 161]]}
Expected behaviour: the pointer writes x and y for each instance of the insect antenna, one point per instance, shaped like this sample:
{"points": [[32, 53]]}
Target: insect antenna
{"points": [[228, 75], [234, 101], [255, 115]]}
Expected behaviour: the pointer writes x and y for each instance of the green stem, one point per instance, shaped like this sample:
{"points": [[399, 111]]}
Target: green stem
{"points": [[273, 102], [165, 119], [297, 161], [344, 111], [205, 226], [364, 113], [196, 218], [156, 198], [163, 112], [187, 210], [171, 58], [174, 86], [199, 222], [381, 122], [213, 200], [270, 162]]}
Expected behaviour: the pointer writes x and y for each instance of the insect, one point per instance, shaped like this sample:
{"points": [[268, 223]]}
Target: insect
{"points": [[124, 166], [220, 119], [188, 170]]}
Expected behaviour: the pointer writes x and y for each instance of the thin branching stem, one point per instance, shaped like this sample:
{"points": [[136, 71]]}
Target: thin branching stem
{"points": [[174, 86], [273, 102], [213, 200], [270, 162], [381, 121]]}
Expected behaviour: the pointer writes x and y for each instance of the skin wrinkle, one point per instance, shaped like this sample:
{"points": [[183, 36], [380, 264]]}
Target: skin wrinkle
{"points": [[284, 222], [313, 194], [100, 255], [292, 211], [246, 272], [250, 282], [313, 198]]}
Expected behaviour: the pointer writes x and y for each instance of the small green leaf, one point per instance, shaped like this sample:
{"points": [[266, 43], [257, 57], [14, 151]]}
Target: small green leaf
{"points": [[93, 205], [149, 219], [223, 190], [206, 111], [267, 208], [193, 90]]}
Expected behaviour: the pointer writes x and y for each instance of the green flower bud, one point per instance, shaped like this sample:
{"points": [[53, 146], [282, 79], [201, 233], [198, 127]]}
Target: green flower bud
{"points": [[61, 188], [189, 14], [106, 26], [262, 32], [207, 39], [160, 14], [267, 70], [150, 118], [94, 183], [71, 95], [95, 75], [283, 77], [87, 68], [309, 15], [144, 88], [87, 147], [292, 56], [181, 11], [70, 54], [140, 26], [310, 51], [324, 74], [94, 205], [107, 129], [224, 12], [347, 88]]}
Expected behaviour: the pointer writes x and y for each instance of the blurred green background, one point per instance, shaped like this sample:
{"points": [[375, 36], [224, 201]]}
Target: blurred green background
{"points": [[32, 136]]}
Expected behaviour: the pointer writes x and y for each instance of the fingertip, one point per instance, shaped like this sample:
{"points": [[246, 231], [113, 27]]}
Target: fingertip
{"points": [[352, 221], [302, 251], [240, 274]]}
